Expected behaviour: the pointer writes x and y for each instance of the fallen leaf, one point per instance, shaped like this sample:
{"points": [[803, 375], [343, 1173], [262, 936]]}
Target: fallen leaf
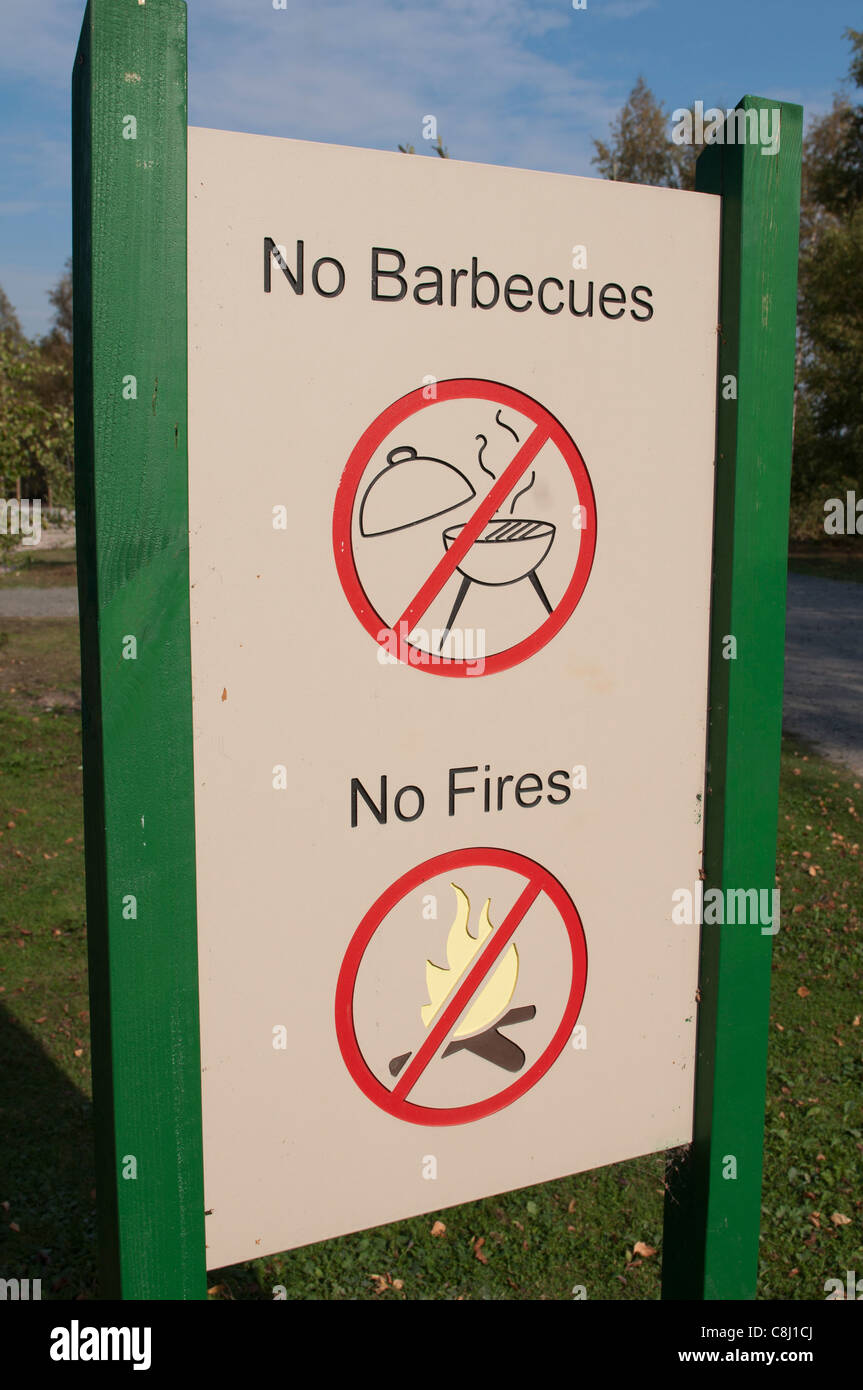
{"points": [[803, 992], [839, 1220], [814, 1218], [13, 1226], [381, 1282], [477, 1250], [438, 1229], [639, 1248], [571, 1206], [398, 1283], [224, 695]]}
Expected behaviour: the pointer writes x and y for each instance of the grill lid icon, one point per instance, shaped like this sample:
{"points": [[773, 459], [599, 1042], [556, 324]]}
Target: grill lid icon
{"points": [[411, 490]]}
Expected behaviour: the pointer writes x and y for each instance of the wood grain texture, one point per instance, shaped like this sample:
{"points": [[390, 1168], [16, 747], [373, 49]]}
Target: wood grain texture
{"points": [[132, 509], [712, 1221]]}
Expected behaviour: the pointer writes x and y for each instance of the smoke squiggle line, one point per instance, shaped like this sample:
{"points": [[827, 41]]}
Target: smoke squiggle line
{"points": [[479, 456]]}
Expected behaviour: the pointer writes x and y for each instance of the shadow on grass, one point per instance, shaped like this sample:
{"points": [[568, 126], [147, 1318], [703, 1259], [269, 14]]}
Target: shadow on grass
{"points": [[47, 1177]]}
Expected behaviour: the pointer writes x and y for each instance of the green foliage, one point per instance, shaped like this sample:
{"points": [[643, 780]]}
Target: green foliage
{"points": [[828, 436], [641, 149], [36, 442], [9, 322], [437, 148], [36, 403]]}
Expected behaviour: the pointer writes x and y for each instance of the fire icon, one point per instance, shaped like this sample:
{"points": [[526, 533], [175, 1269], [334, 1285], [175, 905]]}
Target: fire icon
{"points": [[514, 935], [477, 1032]]}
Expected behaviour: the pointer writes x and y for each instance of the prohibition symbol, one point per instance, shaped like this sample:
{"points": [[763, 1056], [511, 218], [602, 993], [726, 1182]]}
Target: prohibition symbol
{"points": [[464, 528], [512, 961]]}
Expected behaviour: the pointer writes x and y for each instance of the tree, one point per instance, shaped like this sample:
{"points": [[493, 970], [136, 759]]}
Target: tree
{"points": [[9, 322], [828, 437], [55, 385], [641, 149], [837, 181], [36, 441], [437, 147], [61, 299]]}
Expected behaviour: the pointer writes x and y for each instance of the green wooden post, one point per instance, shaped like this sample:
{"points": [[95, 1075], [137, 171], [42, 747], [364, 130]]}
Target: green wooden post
{"points": [[129, 157], [713, 1204]]}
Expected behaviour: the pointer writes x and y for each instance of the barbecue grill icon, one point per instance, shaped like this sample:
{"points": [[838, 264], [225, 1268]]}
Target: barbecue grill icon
{"points": [[413, 489], [492, 560]]}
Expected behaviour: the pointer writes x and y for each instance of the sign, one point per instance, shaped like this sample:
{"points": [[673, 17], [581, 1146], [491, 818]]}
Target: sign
{"points": [[443, 420], [457, 456]]}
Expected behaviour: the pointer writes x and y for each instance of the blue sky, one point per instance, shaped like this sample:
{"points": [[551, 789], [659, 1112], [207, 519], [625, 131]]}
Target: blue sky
{"points": [[519, 82]]}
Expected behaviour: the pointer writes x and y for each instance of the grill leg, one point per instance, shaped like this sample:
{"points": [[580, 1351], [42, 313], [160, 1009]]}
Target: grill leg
{"points": [[459, 600], [534, 579]]}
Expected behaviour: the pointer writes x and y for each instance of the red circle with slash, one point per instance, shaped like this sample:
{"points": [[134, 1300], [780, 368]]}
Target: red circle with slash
{"points": [[395, 1101], [546, 429]]}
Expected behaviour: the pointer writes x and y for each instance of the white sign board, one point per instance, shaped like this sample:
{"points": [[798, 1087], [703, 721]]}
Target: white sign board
{"points": [[451, 486]]}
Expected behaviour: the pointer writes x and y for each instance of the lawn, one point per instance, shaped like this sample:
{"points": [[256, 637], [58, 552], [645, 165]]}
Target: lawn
{"points": [[40, 569], [831, 557], [601, 1230]]}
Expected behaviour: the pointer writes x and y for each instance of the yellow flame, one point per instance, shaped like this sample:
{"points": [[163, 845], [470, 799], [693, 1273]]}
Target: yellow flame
{"points": [[461, 949]]}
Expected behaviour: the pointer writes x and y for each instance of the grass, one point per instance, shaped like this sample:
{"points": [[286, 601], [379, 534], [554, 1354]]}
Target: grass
{"points": [[831, 557], [814, 1124], [602, 1230], [46, 1221], [40, 569]]}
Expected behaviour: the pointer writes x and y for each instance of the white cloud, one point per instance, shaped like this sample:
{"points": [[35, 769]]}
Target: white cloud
{"points": [[367, 74], [502, 76]]}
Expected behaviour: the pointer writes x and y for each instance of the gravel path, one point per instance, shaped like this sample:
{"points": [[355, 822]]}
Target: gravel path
{"points": [[823, 657], [61, 602], [824, 666]]}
